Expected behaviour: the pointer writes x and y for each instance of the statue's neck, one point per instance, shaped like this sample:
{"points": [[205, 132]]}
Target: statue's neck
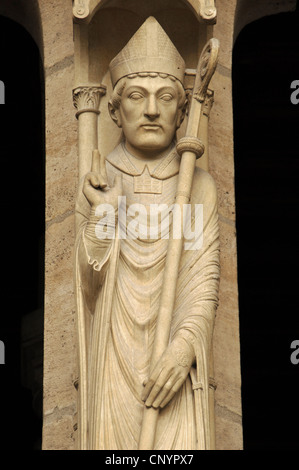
{"points": [[140, 160]]}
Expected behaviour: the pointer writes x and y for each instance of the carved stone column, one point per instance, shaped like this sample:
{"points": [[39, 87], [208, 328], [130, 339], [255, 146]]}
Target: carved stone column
{"points": [[87, 101]]}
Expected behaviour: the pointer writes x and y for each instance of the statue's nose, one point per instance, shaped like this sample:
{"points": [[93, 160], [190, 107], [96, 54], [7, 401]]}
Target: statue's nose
{"points": [[152, 108]]}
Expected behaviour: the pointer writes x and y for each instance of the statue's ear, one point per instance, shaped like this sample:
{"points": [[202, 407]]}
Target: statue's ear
{"points": [[115, 114], [182, 113]]}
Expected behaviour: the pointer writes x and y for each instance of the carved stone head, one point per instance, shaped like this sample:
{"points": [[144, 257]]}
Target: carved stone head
{"points": [[149, 100]]}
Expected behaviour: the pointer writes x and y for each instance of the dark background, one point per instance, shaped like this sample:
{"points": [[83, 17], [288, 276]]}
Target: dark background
{"points": [[22, 238], [266, 138], [265, 62]]}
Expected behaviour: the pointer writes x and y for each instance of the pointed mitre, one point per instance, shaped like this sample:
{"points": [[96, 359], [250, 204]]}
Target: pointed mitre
{"points": [[149, 50]]}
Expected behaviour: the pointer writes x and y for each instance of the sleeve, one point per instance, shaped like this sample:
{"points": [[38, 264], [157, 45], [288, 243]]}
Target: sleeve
{"points": [[93, 250], [197, 295], [92, 264]]}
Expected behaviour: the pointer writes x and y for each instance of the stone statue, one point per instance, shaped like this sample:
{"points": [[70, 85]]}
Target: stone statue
{"points": [[126, 211]]}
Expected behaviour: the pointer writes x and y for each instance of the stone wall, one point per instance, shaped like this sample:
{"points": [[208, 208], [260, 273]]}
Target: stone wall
{"points": [[61, 182], [228, 410]]}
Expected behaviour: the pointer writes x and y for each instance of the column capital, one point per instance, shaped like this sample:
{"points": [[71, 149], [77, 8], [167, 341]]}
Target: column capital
{"points": [[87, 98]]}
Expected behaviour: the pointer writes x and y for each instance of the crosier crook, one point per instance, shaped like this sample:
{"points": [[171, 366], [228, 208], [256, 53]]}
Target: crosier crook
{"points": [[189, 148]]}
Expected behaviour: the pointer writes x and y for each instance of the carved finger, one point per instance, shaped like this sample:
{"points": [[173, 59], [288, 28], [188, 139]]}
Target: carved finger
{"points": [[92, 179], [171, 394], [103, 172], [163, 394], [147, 389], [150, 383], [98, 166], [95, 162], [156, 389]]}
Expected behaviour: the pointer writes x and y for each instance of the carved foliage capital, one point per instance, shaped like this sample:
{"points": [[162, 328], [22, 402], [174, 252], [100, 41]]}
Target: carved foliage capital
{"points": [[87, 98]]}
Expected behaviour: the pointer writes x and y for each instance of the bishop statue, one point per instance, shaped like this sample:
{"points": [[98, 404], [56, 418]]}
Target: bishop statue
{"points": [[125, 207]]}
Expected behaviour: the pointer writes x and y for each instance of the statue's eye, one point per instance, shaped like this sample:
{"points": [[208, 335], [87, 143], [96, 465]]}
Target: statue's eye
{"points": [[135, 96], [166, 97]]}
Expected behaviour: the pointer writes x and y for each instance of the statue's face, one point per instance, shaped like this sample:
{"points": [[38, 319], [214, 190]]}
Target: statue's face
{"points": [[149, 114]]}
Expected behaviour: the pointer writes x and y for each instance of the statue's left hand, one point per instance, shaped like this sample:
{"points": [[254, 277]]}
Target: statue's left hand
{"points": [[169, 374]]}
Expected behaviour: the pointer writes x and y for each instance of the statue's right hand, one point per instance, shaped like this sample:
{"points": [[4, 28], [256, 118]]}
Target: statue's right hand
{"points": [[95, 186]]}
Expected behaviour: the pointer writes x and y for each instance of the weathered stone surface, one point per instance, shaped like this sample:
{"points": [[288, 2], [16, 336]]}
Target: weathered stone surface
{"points": [[226, 335], [221, 162], [61, 145], [229, 430], [221, 166], [61, 179], [59, 430], [61, 183], [60, 338], [57, 22]]}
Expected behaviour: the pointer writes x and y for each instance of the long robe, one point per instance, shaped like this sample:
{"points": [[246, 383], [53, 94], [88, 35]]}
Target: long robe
{"points": [[118, 285]]}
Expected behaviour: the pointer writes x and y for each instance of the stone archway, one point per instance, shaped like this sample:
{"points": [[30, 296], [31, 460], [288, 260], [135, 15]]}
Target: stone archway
{"points": [[27, 14]]}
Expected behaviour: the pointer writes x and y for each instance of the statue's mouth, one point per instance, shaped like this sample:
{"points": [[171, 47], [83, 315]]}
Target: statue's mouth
{"points": [[151, 127]]}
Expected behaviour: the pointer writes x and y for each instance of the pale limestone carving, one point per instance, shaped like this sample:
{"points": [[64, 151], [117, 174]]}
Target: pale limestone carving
{"points": [[208, 10], [86, 100], [205, 9], [146, 305]]}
